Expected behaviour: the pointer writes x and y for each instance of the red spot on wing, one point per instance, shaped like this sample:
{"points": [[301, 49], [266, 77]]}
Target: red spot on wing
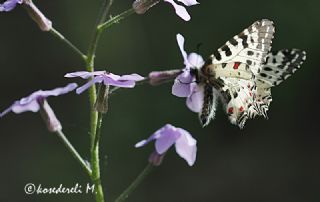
{"points": [[241, 109], [236, 65], [230, 110]]}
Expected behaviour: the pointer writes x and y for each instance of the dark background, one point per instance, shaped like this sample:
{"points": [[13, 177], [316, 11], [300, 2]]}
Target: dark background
{"points": [[269, 160]]}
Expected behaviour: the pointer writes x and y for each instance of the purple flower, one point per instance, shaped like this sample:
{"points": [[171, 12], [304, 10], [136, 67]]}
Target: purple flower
{"points": [[125, 81], [165, 137], [9, 5], [31, 102], [181, 11], [185, 84]]}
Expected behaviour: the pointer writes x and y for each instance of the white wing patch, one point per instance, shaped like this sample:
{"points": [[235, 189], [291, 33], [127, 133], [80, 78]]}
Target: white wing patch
{"points": [[249, 47]]}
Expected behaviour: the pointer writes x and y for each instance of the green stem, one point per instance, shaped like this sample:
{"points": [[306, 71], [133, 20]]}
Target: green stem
{"points": [[124, 195], [95, 118], [74, 152], [90, 67], [66, 41], [116, 19], [95, 162]]}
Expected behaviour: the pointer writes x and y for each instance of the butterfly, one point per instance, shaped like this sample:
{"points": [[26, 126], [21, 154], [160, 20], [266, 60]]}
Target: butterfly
{"points": [[231, 72], [241, 73]]}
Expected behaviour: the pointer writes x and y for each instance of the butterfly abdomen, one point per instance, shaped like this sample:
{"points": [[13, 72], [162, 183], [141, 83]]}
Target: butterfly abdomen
{"points": [[209, 106]]}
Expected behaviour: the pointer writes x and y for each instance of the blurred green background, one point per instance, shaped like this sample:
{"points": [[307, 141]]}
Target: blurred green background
{"points": [[269, 160]]}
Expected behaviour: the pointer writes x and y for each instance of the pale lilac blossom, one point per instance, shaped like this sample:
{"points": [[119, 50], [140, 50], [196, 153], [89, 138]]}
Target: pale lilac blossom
{"points": [[125, 81], [167, 136], [31, 102], [37, 102], [185, 84]]}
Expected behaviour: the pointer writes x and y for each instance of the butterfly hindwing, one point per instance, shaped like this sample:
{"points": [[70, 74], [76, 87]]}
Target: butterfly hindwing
{"points": [[279, 66], [237, 97]]}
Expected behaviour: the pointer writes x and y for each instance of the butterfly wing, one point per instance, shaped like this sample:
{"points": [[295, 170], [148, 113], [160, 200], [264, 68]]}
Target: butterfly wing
{"points": [[237, 96], [232, 69], [245, 53], [279, 66]]}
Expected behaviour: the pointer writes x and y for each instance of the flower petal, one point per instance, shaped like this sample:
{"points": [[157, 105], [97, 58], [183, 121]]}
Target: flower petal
{"points": [[195, 60], [195, 100], [32, 106], [9, 5], [186, 146], [59, 91], [125, 81], [182, 84], [18, 108], [154, 136], [118, 83], [84, 74], [180, 40], [189, 2], [30, 103], [97, 79], [168, 136], [132, 77], [180, 10]]}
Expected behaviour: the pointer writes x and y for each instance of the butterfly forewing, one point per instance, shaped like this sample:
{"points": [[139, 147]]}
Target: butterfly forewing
{"points": [[250, 47]]}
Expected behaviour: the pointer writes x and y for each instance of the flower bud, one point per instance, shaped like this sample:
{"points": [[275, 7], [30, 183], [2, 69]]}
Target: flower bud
{"points": [[101, 104], [159, 77], [47, 114], [156, 159], [44, 23], [141, 6]]}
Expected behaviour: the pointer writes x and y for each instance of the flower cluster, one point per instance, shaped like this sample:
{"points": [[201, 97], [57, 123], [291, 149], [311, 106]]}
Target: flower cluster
{"points": [[184, 86]]}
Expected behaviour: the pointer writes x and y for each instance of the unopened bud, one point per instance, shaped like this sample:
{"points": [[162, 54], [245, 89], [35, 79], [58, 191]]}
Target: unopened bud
{"points": [[101, 104], [155, 158], [160, 77], [47, 114], [141, 6], [43, 22]]}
